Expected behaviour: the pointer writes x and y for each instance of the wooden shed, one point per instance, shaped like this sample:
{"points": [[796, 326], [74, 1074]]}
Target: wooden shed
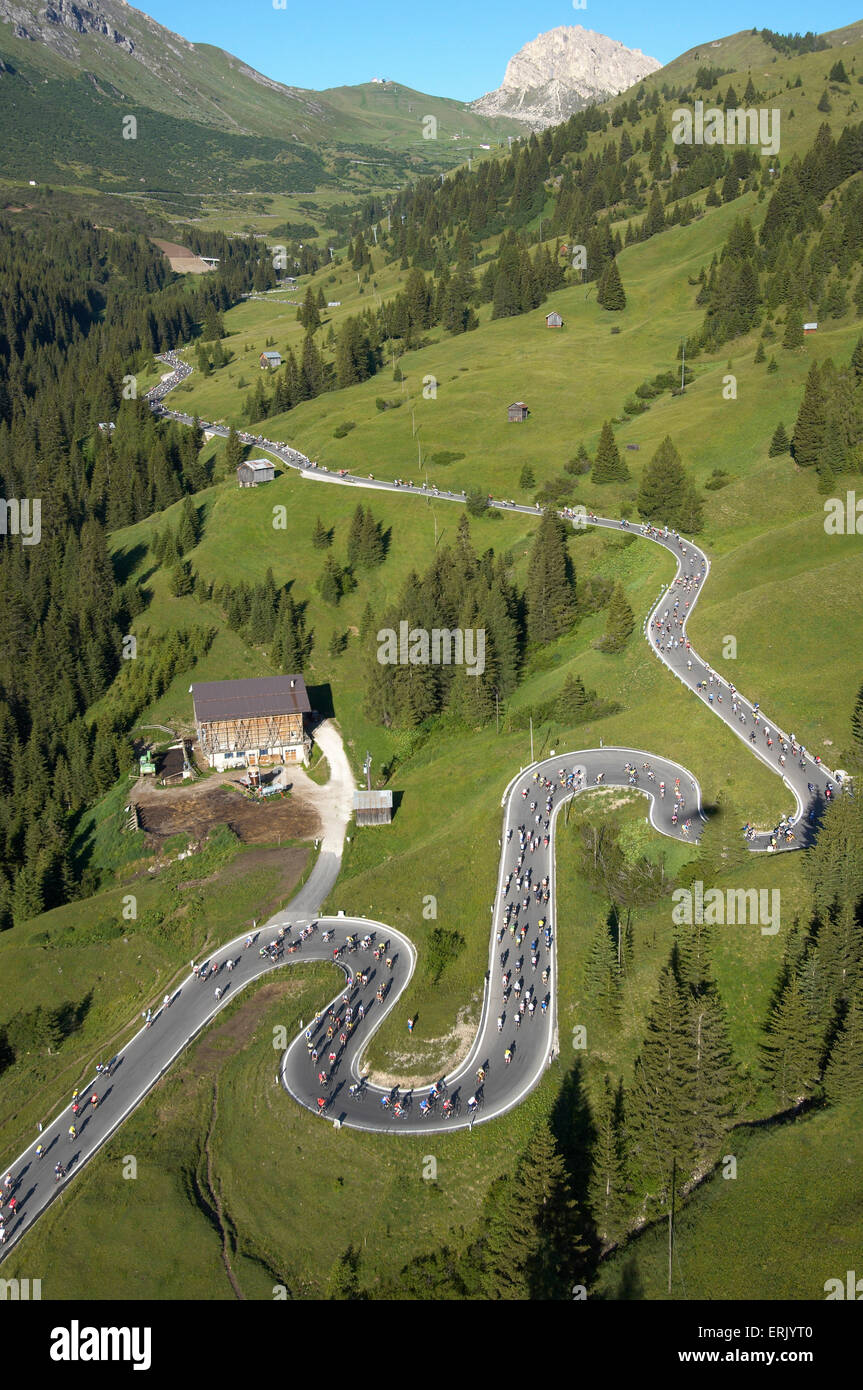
{"points": [[255, 471], [517, 412], [553, 320], [271, 359], [373, 808]]}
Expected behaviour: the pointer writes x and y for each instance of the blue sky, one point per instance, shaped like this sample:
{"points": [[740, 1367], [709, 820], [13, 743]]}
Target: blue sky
{"points": [[457, 48]]}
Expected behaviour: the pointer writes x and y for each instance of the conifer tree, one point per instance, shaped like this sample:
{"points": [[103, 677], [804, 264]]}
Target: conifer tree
{"points": [[607, 1188], [620, 622], [234, 450], [791, 1048], [608, 466], [667, 495], [807, 440], [212, 326], [610, 293], [834, 864], [572, 702], [330, 582], [780, 443], [713, 1081], [532, 1245], [181, 581], [321, 536], [793, 336], [550, 589], [307, 314], [843, 1077], [602, 974], [371, 542], [355, 536], [506, 300], [655, 219], [312, 370], [663, 1092], [188, 530]]}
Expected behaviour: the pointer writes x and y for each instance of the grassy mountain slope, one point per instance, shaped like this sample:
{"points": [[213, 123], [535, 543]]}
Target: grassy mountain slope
{"points": [[221, 121]]}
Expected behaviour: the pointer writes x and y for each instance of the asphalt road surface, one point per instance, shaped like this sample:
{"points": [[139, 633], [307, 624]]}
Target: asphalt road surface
{"points": [[522, 964]]}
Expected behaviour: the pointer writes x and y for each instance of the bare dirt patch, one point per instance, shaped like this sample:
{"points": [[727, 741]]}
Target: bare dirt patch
{"points": [[197, 809], [439, 1057]]}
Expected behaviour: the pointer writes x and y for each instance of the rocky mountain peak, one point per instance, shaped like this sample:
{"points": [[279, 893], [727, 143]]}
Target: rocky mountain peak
{"points": [[563, 71]]}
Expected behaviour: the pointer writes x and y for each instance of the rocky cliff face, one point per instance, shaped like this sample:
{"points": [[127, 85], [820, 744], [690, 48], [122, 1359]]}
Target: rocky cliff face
{"points": [[561, 72], [60, 23], [68, 27]]}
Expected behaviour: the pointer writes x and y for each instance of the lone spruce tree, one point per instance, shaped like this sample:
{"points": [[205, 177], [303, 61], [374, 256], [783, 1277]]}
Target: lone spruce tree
{"points": [[610, 293], [780, 443], [608, 466], [619, 623], [572, 702], [667, 495]]}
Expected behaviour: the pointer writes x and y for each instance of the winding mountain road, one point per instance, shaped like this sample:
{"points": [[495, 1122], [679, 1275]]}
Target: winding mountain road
{"points": [[523, 926]]}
